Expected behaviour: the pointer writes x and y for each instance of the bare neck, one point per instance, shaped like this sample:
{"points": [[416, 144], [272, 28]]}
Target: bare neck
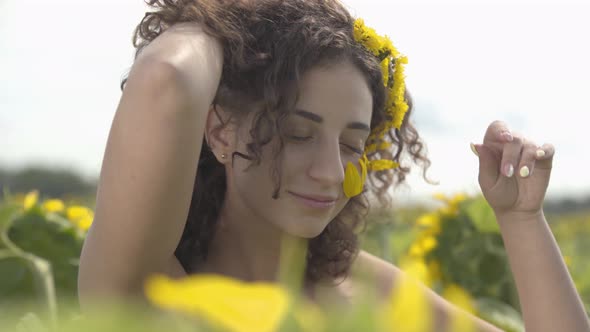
{"points": [[248, 248]]}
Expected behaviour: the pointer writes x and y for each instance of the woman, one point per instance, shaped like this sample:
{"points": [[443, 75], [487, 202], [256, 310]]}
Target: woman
{"points": [[246, 123]]}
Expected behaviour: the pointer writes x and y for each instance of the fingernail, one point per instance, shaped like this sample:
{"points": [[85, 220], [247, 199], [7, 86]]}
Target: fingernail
{"points": [[509, 170], [540, 153], [473, 149], [524, 171], [508, 136]]}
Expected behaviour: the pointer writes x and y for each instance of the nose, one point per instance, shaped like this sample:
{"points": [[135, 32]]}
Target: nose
{"points": [[326, 164]]}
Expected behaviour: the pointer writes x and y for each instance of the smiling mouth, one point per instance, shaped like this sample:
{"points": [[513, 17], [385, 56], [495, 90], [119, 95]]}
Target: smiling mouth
{"points": [[314, 202]]}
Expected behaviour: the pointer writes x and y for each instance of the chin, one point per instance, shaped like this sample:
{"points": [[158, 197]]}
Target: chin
{"points": [[309, 234], [307, 229]]}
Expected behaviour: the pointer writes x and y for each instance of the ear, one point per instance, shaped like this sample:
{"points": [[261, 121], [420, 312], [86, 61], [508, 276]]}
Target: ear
{"points": [[220, 134]]}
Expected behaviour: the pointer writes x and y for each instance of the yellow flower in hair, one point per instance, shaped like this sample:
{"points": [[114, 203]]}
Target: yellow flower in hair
{"points": [[389, 45], [395, 106], [374, 147], [374, 43], [358, 30], [385, 70], [382, 164], [354, 182], [381, 46]]}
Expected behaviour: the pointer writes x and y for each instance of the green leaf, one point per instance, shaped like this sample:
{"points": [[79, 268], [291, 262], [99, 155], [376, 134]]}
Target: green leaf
{"points": [[8, 212], [31, 323], [482, 216], [53, 240], [491, 268], [15, 277], [500, 314]]}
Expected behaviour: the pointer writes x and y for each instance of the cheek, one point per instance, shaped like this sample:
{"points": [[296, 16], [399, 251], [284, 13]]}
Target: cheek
{"points": [[295, 159], [340, 206], [255, 184], [252, 181]]}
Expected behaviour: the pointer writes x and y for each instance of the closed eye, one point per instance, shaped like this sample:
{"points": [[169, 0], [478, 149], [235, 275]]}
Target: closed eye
{"points": [[355, 150], [306, 138], [300, 138]]}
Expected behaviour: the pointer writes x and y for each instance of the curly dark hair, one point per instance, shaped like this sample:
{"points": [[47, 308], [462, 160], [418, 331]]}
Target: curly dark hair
{"points": [[267, 46]]}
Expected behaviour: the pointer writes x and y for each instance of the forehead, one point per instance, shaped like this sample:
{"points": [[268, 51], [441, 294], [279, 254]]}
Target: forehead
{"points": [[337, 91]]}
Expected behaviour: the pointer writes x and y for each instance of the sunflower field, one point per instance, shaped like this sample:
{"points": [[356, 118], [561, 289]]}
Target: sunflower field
{"points": [[455, 249]]}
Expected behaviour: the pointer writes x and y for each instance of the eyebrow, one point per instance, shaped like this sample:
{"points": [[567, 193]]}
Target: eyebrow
{"points": [[316, 118]]}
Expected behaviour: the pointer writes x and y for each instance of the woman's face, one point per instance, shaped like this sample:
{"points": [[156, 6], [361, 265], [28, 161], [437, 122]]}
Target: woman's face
{"points": [[328, 129]]}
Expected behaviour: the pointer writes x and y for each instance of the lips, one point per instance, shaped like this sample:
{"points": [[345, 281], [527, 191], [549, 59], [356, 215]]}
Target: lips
{"points": [[317, 198], [314, 201]]}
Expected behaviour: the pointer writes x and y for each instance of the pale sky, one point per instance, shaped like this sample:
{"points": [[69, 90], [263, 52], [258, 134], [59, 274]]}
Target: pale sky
{"points": [[470, 62]]}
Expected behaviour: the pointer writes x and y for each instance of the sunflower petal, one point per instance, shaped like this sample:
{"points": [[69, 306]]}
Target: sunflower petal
{"points": [[363, 163], [382, 164], [352, 181]]}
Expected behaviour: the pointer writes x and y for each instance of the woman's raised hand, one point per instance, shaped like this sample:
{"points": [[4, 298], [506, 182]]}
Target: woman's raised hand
{"points": [[514, 172]]}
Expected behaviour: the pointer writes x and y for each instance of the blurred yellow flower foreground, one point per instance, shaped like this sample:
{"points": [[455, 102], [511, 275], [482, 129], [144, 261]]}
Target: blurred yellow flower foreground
{"points": [[235, 305], [239, 306]]}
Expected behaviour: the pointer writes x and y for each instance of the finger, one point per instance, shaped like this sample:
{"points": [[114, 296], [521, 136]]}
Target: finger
{"points": [[511, 156], [545, 160], [488, 166], [497, 133], [527, 159], [496, 136]]}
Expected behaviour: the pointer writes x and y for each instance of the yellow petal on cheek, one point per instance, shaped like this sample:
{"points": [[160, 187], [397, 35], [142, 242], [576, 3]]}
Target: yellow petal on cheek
{"points": [[352, 181], [363, 171]]}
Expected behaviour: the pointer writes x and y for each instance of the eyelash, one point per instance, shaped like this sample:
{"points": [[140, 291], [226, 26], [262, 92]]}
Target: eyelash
{"points": [[303, 139]]}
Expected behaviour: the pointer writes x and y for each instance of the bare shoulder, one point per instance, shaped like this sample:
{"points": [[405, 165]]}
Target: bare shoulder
{"points": [[373, 274], [386, 275]]}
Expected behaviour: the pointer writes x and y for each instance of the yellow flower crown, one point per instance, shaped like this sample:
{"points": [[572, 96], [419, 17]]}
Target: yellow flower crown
{"points": [[392, 68]]}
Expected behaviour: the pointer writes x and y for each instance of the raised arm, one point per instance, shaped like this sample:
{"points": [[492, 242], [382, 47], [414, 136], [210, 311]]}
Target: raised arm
{"points": [[150, 163], [514, 174], [546, 290]]}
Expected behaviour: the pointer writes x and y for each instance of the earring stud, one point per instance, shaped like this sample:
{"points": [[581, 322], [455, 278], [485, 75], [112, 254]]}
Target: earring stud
{"points": [[223, 156]]}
